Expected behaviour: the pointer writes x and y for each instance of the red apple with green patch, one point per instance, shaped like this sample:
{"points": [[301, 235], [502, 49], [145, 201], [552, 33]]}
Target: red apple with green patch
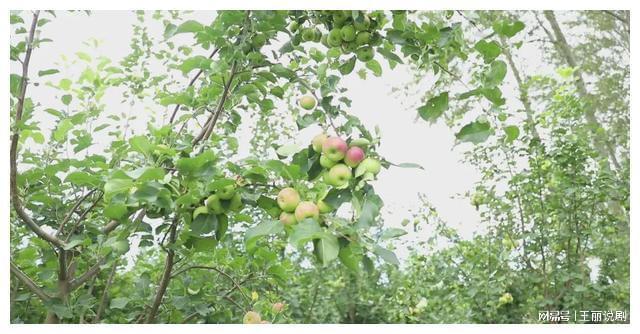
{"points": [[335, 148], [288, 218], [307, 210]]}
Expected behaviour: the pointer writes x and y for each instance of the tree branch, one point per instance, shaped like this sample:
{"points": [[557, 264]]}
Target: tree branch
{"points": [[73, 210], [29, 283], [92, 271], [191, 83], [219, 271], [105, 293], [13, 153], [166, 275]]}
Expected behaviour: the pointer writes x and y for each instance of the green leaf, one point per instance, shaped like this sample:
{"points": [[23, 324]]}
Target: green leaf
{"points": [[495, 74], [203, 244], [327, 248], [489, 50], [390, 55], [14, 84], [507, 29], [347, 67], [392, 233], [115, 211], [47, 72], [119, 303], [197, 62], [116, 186], [140, 144], [375, 67], [267, 227], [203, 224], [189, 26], [336, 197], [351, 256], [475, 132], [288, 150], [305, 231], [435, 107], [80, 178], [66, 99], [512, 132], [269, 205], [60, 134], [370, 210], [386, 255]]}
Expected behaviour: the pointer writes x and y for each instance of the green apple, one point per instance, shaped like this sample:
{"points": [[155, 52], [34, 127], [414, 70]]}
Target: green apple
{"points": [[349, 47], [338, 176], [317, 142], [288, 218], [307, 102], [334, 148], [306, 210], [370, 165], [214, 205], [365, 53], [339, 18], [348, 33], [288, 199], [326, 162], [308, 34], [324, 207], [226, 192], [201, 210], [354, 156], [335, 37], [258, 41], [293, 26], [236, 203], [362, 23], [251, 317], [363, 38]]}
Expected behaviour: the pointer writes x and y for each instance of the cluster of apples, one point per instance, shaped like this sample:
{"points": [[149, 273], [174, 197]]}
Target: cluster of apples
{"points": [[253, 317], [222, 200], [295, 210], [351, 33], [339, 157]]}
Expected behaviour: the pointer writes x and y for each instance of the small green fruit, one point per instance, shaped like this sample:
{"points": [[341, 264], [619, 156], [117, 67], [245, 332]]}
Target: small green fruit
{"points": [[348, 33], [236, 203], [226, 192], [308, 34], [307, 102], [326, 162], [335, 37], [324, 207], [362, 38], [365, 53], [318, 141], [214, 205], [288, 218], [338, 176]]}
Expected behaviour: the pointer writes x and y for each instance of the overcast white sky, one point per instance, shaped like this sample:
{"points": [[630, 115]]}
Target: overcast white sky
{"points": [[403, 138]]}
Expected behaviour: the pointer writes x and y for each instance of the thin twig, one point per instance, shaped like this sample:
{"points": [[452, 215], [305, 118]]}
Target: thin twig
{"points": [[28, 282], [219, 271], [105, 293], [73, 210]]}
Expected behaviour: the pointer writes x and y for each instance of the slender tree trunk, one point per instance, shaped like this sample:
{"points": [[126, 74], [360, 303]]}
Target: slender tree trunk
{"points": [[166, 275], [601, 142]]}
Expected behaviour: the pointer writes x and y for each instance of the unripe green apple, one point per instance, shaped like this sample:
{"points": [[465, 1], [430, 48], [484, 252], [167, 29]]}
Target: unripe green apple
{"points": [[362, 23], [251, 317], [214, 205], [353, 156], [369, 165], [349, 47], [288, 199], [258, 41], [226, 192], [360, 142], [296, 39], [307, 102], [334, 148], [308, 34], [236, 203], [317, 37], [201, 210], [365, 53], [293, 26], [339, 18], [324, 207], [348, 33], [338, 176], [363, 38], [326, 162], [288, 218], [317, 142], [306, 210], [335, 37]]}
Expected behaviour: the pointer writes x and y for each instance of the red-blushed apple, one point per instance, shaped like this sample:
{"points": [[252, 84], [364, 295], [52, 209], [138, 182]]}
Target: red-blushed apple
{"points": [[326, 162], [338, 176], [251, 317], [324, 207], [288, 199], [288, 218], [277, 307], [354, 156], [317, 142], [307, 102], [334, 148], [307, 210]]}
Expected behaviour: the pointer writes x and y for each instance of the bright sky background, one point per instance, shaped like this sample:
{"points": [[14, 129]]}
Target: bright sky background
{"points": [[404, 138]]}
